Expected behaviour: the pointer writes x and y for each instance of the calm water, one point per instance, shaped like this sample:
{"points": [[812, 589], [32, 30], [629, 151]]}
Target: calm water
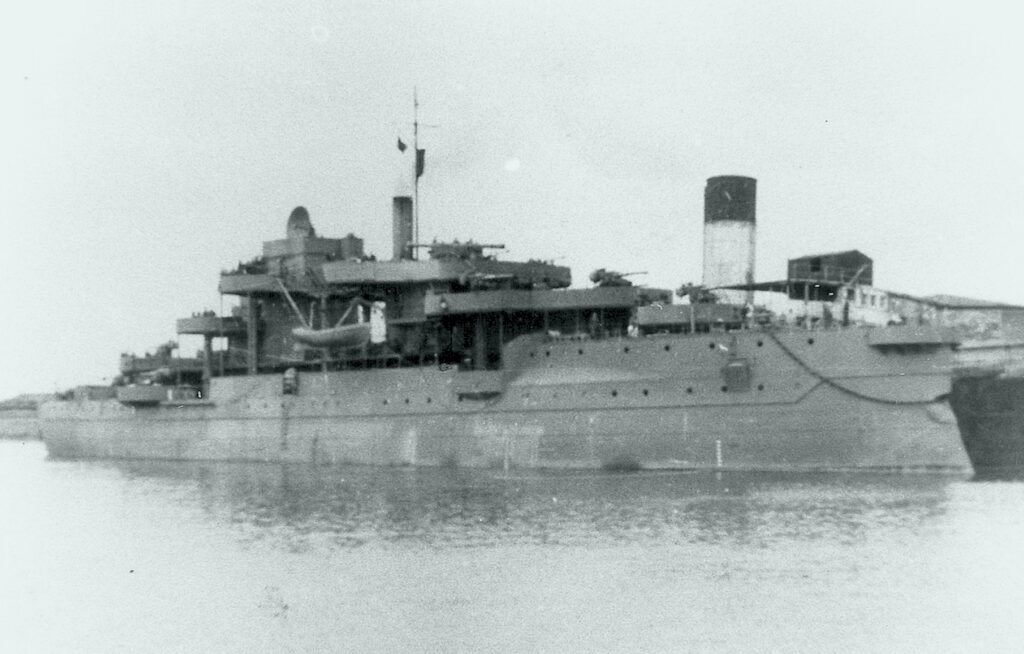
{"points": [[129, 557]]}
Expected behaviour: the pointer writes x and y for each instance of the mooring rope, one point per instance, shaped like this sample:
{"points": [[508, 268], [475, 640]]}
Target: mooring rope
{"points": [[821, 377]]}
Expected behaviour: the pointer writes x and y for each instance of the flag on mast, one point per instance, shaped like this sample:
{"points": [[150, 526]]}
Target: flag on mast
{"points": [[421, 155], [401, 145]]}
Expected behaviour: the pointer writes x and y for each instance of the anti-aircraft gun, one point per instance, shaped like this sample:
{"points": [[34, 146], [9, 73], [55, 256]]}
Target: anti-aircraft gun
{"points": [[468, 251], [697, 293], [603, 277]]}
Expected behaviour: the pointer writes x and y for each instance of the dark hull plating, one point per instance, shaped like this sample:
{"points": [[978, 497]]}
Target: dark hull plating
{"points": [[989, 409]]}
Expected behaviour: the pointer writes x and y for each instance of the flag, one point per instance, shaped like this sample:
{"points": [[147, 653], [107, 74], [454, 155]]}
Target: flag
{"points": [[420, 157], [401, 146]]}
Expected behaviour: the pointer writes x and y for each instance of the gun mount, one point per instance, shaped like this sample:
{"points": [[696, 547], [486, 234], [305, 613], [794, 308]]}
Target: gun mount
{"points": [[603, 277]]}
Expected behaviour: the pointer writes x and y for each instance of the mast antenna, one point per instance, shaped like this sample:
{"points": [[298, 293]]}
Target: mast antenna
{"points": [[418, 162], [415, 168]]}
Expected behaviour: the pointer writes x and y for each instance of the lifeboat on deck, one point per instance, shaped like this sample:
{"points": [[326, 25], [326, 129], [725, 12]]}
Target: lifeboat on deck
{"points": [[344, 336]]}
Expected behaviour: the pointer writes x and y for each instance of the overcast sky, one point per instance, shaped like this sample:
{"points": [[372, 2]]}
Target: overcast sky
{"points": [[148, 146]]}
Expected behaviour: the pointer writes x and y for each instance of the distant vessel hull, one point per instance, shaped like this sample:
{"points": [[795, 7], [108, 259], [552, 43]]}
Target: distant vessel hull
{"points": [[19, 424], [989, 408], [823, 400]]}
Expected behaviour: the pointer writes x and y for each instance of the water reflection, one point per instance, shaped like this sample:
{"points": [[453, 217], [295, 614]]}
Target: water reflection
{"points": [[358, 506]]}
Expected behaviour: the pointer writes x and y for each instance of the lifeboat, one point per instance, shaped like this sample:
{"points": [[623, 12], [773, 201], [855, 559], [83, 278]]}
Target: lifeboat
{"points": [[346, 336]]}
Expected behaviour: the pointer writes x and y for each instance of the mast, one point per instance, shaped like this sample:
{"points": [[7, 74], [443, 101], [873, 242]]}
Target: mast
{"points": [[418, 162], [415, 170]]}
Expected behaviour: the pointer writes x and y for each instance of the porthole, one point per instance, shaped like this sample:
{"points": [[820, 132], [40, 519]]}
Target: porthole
{"points": [[760, 387], [689, 390], [548, 353], [406, 400], [533, 354], [668, 347], [615, 393], [385, 400], [428, 400], [626, 349], [646, 392], [580, 350], [810, 341], [725, 389], [711, 346], [760, 343]]}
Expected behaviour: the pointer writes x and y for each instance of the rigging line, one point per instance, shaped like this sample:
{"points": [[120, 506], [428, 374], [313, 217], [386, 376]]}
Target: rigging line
{"points": [[357, 301], [842, 388], [295, 307]]}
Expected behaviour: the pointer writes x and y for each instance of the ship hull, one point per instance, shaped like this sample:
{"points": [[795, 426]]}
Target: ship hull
{"points": [[847, 435], [660, 402], [990, 412]]}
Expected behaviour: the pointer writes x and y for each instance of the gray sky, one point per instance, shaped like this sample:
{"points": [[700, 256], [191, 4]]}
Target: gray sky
{"points": [[146, 148]]}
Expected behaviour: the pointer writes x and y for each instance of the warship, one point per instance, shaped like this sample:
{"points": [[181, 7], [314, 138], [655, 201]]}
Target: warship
{"points": [[459, 358]]}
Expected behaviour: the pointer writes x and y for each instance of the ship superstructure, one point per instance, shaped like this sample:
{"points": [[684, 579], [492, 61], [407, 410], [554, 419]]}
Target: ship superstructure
{"points": [[460, 358]]}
